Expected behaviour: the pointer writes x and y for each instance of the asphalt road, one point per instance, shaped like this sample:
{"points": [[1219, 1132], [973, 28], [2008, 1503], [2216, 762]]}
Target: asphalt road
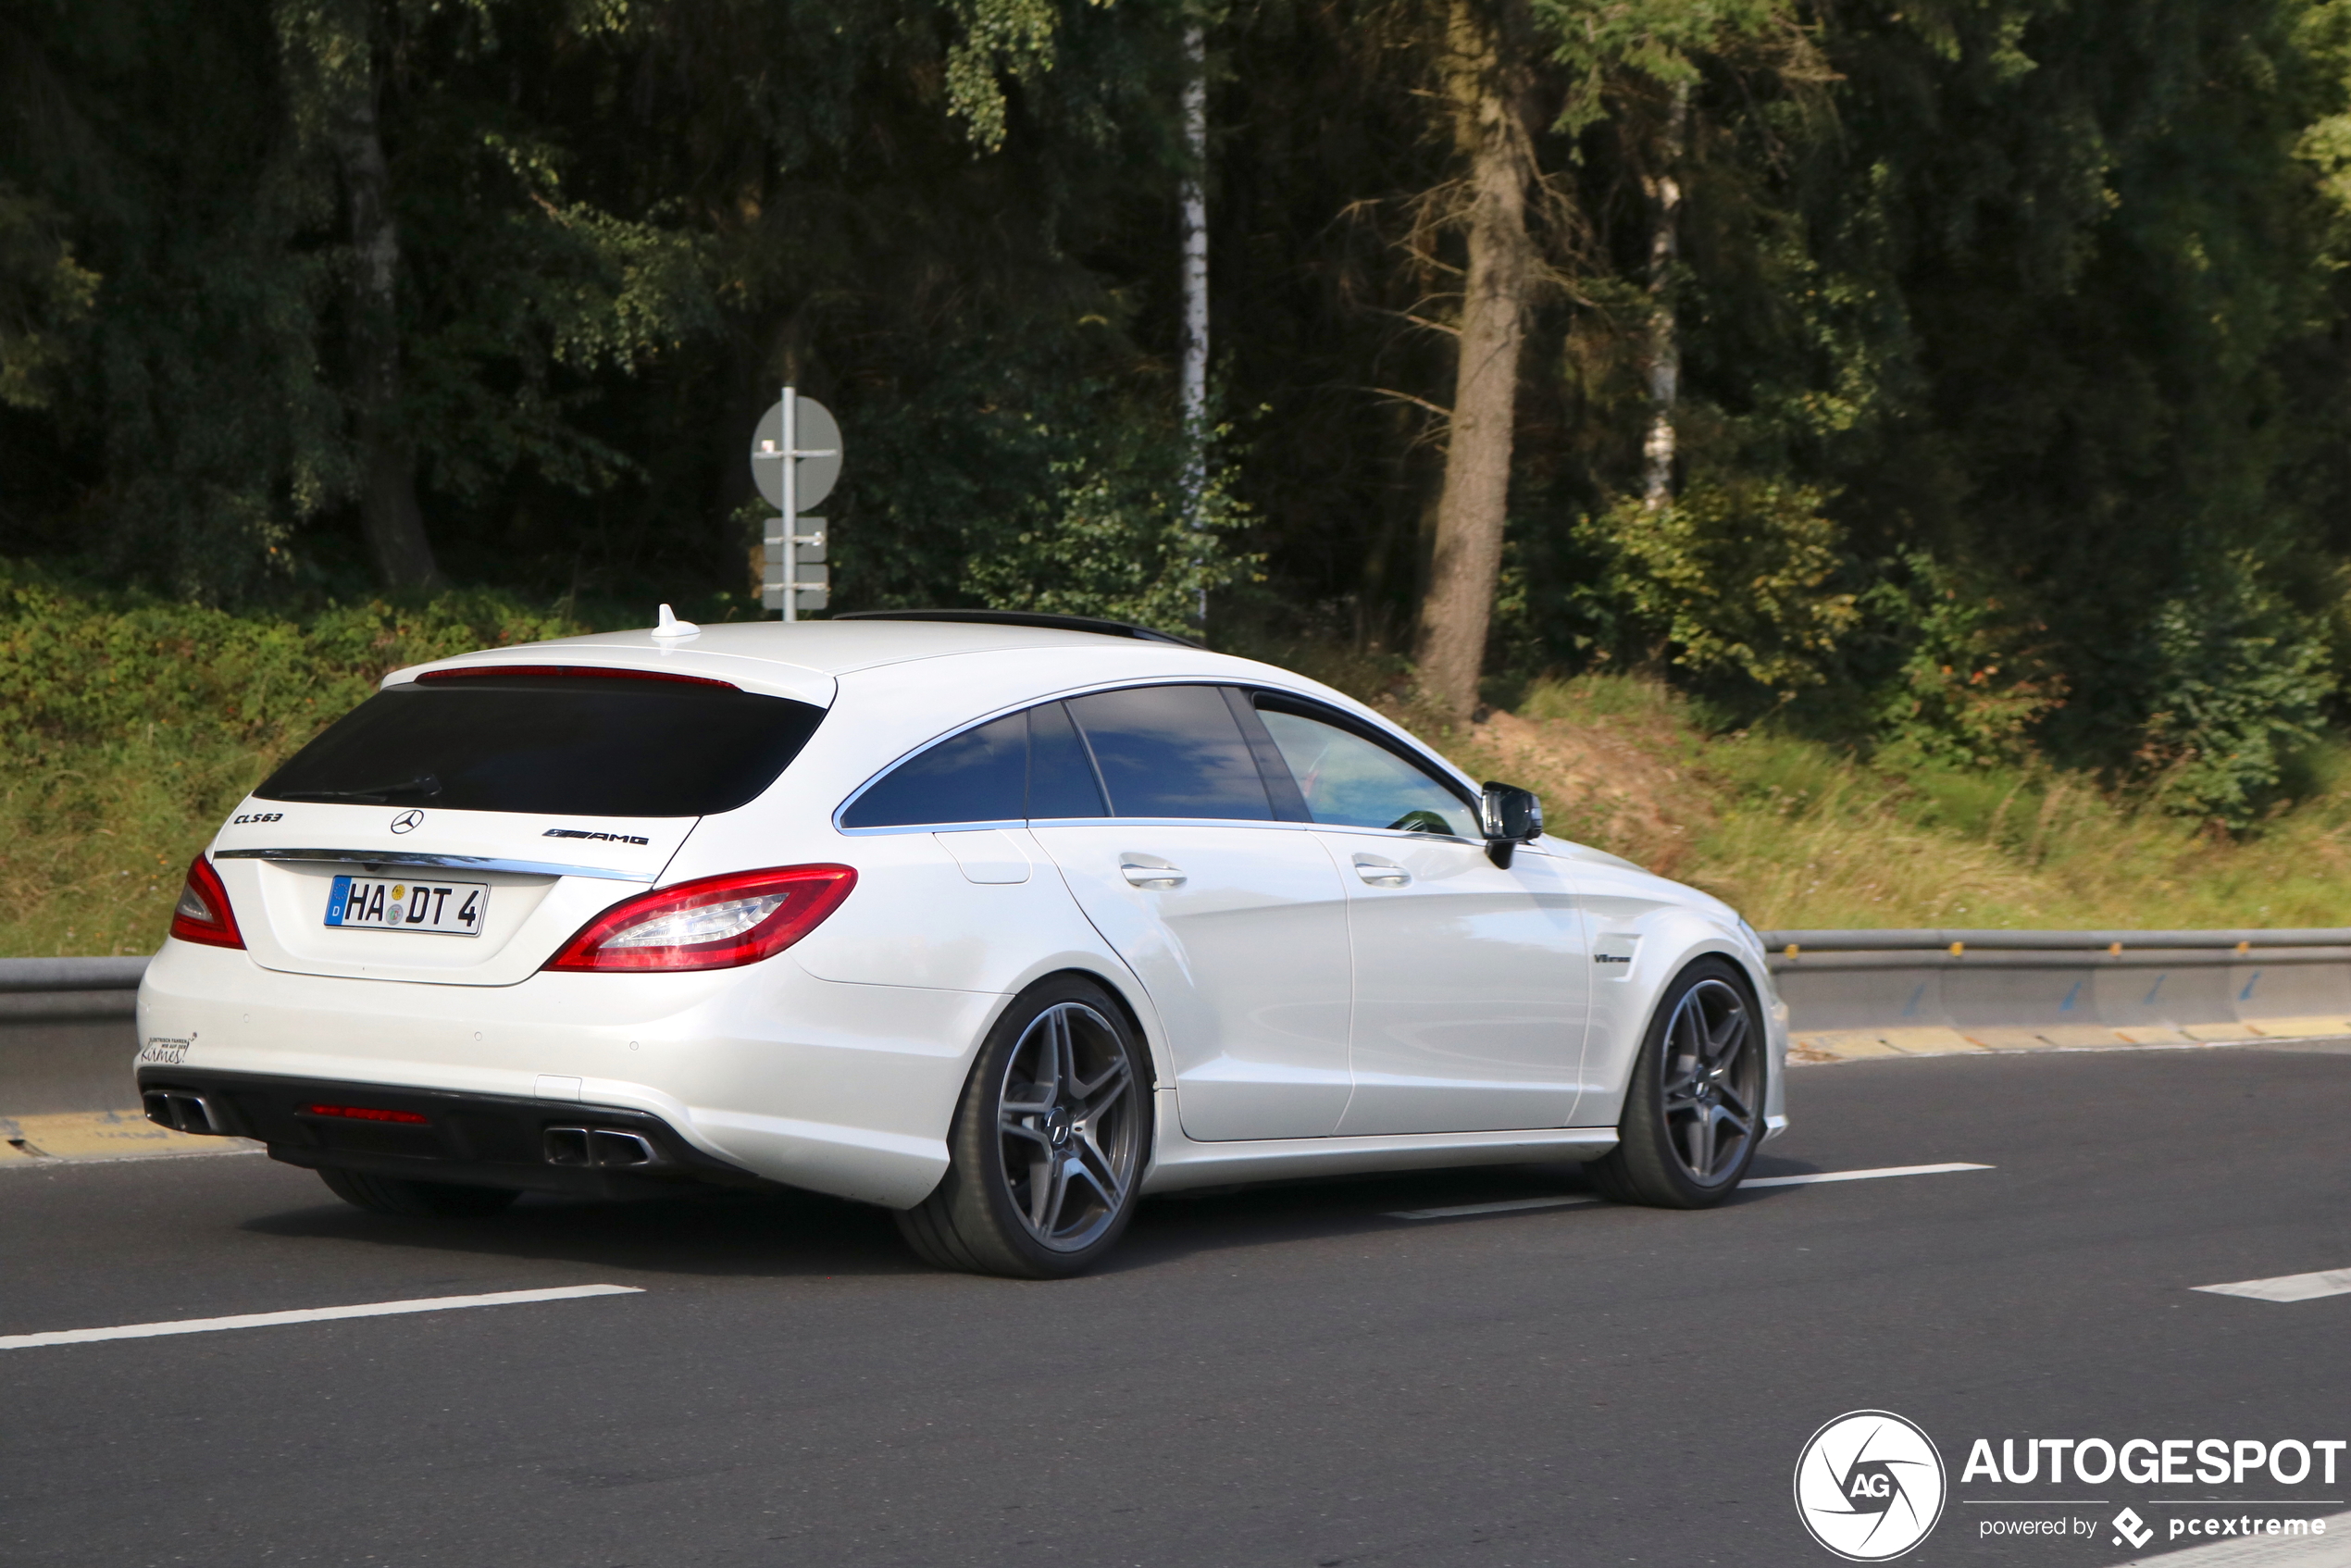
{"points": [[1280, 1376]]}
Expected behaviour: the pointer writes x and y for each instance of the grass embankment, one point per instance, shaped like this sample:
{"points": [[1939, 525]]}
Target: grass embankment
{"points": [[131, 727], [1797, 834]]}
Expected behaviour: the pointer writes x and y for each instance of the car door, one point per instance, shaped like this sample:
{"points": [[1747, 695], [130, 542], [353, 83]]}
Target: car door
{"points": [[1472, 980], [1235, 921]]}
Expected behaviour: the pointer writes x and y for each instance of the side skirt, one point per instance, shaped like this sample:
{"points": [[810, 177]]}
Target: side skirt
{"points": [[1178, 1163]]}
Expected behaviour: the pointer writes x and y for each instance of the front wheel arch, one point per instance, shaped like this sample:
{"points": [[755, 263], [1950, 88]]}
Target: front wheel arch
{"points": [[1701, 1077]]}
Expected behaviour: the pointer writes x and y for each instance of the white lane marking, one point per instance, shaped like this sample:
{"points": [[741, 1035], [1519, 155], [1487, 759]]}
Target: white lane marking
{"points": [[1809, 1177], [2288, 1286], [1503, 1207], [312, 1315], [2265, 1550], [1509, 1204]]}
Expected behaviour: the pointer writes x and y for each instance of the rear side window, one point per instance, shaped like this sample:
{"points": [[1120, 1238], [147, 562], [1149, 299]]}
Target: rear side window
{"points": [[1172, 750], [979, 776], [1029, 765], [1061, 776], [552, 745]]}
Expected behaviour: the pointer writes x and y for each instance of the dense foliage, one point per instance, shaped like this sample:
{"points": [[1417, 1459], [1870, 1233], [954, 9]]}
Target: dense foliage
{"points": [[2009, 334]]}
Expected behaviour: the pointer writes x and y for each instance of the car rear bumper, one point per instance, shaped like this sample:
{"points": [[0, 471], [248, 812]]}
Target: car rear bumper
{"points": [[825, 1086], [484, 1139]]}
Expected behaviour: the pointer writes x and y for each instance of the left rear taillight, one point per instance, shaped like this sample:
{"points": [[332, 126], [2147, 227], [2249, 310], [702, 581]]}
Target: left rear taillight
{"points": [[203, 914], [711, 923]]}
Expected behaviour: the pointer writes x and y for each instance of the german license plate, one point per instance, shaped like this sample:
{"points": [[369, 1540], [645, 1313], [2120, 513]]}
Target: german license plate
{"points": [[386, 903]]}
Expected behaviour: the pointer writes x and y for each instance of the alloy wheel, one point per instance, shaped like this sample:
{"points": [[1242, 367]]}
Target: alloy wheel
{"points": [[1069, 1123], [1712, 1070]]}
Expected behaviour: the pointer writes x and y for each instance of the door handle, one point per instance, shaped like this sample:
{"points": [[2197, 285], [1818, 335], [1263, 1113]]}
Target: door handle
{"points": [[1382, 872], [1150, 871]]}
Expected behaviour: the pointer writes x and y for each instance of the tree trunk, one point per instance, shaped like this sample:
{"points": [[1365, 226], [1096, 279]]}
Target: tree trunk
{"points": [[1194, 200], [388, 510], [1665, 338], [1485, 78]]}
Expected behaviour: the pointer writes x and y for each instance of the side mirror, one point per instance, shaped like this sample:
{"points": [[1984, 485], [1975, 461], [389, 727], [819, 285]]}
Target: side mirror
{"points": [[1508, 817]]}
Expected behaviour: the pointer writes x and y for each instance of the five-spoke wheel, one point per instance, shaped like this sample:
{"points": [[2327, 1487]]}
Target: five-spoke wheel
{"points": [[1693, 1113], [1048, 1144], [1070, 1132]]}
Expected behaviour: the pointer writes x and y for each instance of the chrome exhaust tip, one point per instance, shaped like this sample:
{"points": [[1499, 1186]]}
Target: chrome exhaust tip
{"points": [[184, 1111], [598, 1148]]}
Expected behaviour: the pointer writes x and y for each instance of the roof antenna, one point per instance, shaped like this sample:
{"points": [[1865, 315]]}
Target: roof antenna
{"points": [[670, 625]]}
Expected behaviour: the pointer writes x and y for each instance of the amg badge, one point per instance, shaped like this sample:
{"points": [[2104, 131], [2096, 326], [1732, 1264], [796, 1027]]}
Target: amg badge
{"points": [[601, 837]]}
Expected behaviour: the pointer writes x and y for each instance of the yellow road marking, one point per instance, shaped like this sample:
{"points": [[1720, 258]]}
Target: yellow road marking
{"points": [[101, 1135]]}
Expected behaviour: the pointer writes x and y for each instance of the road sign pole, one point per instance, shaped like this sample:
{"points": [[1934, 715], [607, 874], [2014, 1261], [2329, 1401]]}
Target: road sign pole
{"points": [[777, 440], [791, 506]]}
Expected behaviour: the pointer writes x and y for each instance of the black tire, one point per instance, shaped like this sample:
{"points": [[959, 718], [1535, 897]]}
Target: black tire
{"points": [[1041, 1175], [1693, 1111], [414, 1199]]}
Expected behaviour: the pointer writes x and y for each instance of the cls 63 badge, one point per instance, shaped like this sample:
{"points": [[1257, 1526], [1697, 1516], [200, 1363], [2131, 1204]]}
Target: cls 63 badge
{"points": [[256, 816]]}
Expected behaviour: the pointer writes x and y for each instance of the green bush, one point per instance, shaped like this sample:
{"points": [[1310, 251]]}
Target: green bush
{"points": [[1733, 578], [2237, 682]]}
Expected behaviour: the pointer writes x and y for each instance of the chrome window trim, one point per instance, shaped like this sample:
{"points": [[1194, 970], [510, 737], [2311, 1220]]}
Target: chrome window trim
{"points": [[925, 828], [1094, 822], [438, 862], [1168, 822], [1421, 834]]}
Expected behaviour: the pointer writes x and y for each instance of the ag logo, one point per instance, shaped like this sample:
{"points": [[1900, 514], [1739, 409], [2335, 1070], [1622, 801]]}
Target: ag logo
{"points": [[1869, 1486], [407, 821]]}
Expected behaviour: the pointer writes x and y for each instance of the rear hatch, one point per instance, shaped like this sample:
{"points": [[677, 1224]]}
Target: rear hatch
{"points": [[459, 827]]}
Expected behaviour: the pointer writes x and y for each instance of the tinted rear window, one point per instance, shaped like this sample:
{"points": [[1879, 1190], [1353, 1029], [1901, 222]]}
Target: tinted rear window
{"points": [[979, 776], [1172, 750], [551, 745], [1029, 765], [1061, 776]]}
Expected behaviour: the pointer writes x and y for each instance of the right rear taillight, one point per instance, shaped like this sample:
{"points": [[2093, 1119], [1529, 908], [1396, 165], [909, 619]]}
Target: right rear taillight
{"points": [[203, 914], [711, 923]]}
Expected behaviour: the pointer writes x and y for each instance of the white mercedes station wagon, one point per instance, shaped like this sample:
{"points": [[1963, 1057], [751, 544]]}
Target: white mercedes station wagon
{"points": [[999, 922]]}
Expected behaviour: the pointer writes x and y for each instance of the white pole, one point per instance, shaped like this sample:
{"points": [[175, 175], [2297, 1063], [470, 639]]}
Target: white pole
{"points": [[1195, 226], [791, 507]]}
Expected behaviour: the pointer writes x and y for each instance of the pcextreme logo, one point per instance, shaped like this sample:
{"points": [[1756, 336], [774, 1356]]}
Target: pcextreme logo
{"points": [[1869, 1485]]}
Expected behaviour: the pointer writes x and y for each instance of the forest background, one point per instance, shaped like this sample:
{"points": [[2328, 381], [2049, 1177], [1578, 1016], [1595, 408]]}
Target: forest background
{"points": [[1920, 489]]}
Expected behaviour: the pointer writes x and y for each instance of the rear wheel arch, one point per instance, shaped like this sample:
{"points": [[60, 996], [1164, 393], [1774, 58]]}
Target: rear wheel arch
{"points": [[1051, 1136], [1117, 984]]}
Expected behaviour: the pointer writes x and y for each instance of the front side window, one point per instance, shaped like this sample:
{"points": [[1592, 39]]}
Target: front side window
{"points": [[1172, 750], [1351, 782], [554, 745]]}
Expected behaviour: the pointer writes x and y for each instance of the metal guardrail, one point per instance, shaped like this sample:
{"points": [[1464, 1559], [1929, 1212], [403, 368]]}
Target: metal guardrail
{"points": [[66, 1038], [1957, 943], [1911, 989], [19, 975], [67, 1035]]}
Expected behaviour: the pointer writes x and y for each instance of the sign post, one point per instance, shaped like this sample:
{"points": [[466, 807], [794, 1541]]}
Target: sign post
{"points": [[793, 476]]}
